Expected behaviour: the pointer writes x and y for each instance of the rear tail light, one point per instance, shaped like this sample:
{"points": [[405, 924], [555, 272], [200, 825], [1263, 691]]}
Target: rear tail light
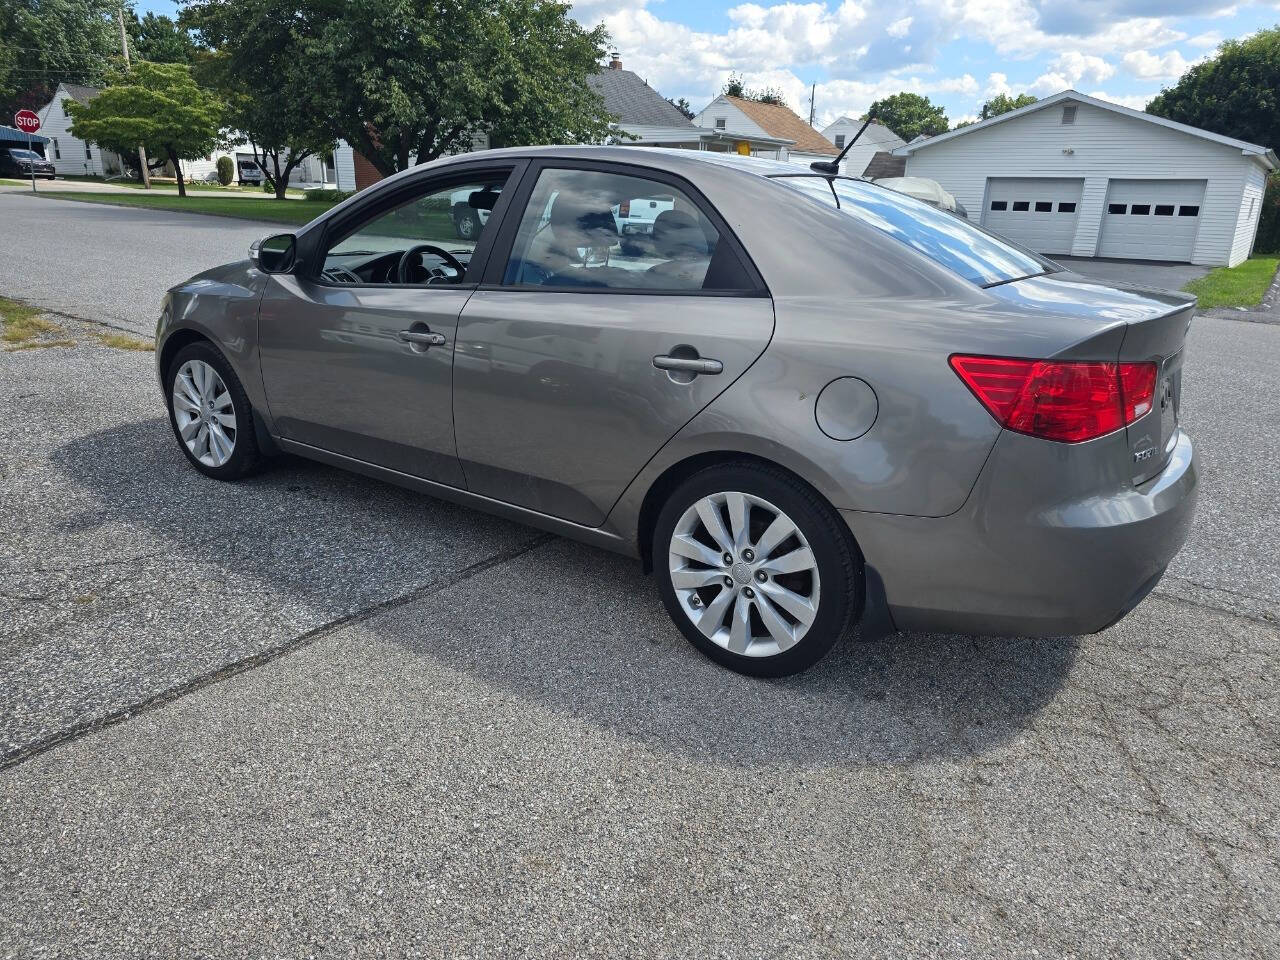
{"points": [[1065, 400], [624, 208]]}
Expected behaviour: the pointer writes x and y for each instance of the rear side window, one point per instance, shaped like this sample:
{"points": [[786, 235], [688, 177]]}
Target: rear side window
{"points": [[973, 253], [591, 229]]}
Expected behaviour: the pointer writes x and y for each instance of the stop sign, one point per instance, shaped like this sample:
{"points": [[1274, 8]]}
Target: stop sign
{"points": [[27, 121]]}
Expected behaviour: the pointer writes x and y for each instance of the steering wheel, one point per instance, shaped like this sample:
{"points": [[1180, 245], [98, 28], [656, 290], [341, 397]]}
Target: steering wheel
{"points": [[413, 256]]}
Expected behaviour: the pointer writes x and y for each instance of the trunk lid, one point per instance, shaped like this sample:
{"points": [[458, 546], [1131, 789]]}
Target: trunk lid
{"points": [[1155, 324]]}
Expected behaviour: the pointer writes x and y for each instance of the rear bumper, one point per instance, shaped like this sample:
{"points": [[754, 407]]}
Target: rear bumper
{"points": [[1021, 559]]}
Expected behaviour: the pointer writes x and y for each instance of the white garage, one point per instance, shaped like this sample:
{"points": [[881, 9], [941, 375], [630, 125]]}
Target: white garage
{"points": [[1072, 175], [1038, 212]]}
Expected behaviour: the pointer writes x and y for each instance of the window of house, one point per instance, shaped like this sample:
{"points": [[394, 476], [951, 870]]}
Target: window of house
{"points": [[1066, 207], [1044, 206], [88, 152], [1164, 210], [57, 154], [1021, 206], [1140, 210], [596, 230], [1069, 114], [1189, 211], [720, 121], [999, 204], [1116, 208], [839, 139]]}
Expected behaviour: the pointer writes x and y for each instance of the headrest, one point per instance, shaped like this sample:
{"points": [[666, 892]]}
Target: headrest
{"points": [[579, 223], [678, 235]]}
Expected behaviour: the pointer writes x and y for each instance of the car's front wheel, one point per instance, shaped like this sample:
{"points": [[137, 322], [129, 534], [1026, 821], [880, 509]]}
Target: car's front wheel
{"points": [[210, 413], [755, 569]]}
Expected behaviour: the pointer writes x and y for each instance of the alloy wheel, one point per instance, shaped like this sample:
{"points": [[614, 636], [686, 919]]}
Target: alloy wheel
{"points": [[204, 413], [744, 574]]}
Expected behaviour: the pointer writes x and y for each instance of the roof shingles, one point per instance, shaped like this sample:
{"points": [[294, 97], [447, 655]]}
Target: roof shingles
{"points": [[633, 101], [778, 121]]}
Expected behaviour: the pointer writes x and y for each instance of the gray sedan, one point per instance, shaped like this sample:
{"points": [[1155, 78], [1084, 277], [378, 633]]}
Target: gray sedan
{"points": [[802, 400]]}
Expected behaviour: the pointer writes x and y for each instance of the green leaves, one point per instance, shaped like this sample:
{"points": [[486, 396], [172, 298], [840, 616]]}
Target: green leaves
{"points": [[1237, 93], [157, 105], [421, 77], [1003, 103], [909, 115]]}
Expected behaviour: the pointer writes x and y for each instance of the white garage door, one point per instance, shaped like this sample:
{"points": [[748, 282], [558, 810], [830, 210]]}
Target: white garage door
{"points": [[1037, 212], [1151, 219]]}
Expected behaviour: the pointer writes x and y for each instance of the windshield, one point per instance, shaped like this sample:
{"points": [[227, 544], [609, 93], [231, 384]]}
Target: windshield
{"points": [[25, 155], [978, 256]]}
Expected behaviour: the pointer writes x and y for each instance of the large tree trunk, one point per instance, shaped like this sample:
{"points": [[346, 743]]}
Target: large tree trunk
{"points": [[177, 169]]}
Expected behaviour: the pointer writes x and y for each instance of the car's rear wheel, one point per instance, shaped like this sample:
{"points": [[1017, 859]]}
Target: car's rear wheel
{"points": [[756, 569], [210, 413]]}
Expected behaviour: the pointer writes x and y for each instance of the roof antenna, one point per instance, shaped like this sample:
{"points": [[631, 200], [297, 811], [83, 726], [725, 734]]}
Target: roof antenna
{"points": [[831, 168]]}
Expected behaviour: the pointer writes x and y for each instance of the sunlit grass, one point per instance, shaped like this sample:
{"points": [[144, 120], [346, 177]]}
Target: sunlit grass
{"points": [[1241, 286]]}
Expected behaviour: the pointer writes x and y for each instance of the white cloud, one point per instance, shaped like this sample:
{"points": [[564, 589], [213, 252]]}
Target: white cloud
{"points": [[997, 84], [899, 28], [1205, 40], [1135, 101], [1148, 66]]}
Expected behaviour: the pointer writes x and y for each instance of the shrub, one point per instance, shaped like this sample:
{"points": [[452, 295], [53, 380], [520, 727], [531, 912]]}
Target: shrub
{"points": [[1268, 240], [226, 171], [335, 196]]}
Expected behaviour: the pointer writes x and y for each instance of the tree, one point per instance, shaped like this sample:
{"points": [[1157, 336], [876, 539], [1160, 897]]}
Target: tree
{"points": [[43, 42], [910, 115], [734, 87], [683, 106], [158, 105], [159, 39], [410, 80], [259, 67], [1236, 93], [1003, 103]]}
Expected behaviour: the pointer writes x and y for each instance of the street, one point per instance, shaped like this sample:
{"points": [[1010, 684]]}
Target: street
{"points": [[315, 715]]}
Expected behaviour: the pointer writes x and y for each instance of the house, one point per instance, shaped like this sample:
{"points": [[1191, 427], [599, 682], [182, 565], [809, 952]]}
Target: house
{"points": [[783, 135], [1078, 176], [876, 139], [645, 118], [72, 157]]}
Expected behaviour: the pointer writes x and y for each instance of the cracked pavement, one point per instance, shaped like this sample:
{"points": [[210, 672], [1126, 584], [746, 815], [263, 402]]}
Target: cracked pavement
{"points": [[314, 715]]}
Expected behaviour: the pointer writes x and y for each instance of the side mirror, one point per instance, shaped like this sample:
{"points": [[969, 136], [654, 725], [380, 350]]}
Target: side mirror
{"points": [[274, 254]]}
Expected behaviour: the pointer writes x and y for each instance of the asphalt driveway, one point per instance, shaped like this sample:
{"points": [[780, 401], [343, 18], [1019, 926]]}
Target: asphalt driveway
{"points": [[314, 715]]}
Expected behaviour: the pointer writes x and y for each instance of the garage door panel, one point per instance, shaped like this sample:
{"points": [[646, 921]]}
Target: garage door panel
{"points": [[1037, 212], [1151, 219]]}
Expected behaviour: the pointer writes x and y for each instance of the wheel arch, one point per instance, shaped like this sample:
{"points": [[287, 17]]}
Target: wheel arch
{"points": [[175, 342], [675, 474]]}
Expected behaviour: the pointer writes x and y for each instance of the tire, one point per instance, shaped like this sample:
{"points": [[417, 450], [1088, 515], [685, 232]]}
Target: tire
{"points": [[830, 589], [183, 380], [466, 224]]}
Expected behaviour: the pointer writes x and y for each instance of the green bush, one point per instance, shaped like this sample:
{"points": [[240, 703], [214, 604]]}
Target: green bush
{"points": [[330, 196], [1268, 240], [268, 188], [226, 171]]}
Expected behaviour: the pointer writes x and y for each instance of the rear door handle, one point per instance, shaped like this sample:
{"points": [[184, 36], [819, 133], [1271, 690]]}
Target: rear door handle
{"points": [[422, 338], [688, 364]]}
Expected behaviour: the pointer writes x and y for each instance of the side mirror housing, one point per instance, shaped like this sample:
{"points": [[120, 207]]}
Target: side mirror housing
{"points": [[274, 254]]}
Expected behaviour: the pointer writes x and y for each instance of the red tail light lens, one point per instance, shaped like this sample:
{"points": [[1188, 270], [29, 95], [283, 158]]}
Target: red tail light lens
{"points": [[1068, 401], [624, 208]]}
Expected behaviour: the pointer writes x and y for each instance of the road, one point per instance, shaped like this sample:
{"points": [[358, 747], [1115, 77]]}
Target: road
{"points": [[111, 264], [314, 715]]}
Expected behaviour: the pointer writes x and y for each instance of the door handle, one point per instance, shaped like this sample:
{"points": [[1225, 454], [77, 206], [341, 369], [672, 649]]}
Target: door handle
{"points": [[688, 364], [422, 338]]}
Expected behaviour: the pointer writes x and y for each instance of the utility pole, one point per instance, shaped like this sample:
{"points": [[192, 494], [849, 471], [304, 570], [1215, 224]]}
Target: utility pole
{"points": [[813, 92], [124, 48]]}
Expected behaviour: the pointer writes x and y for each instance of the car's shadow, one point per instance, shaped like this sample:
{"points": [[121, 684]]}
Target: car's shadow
{"points": [[571, 628]]}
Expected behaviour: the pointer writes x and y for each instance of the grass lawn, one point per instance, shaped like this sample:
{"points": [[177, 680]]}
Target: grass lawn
{"points": [[21, 324], [1241, 286], [219, 205]]}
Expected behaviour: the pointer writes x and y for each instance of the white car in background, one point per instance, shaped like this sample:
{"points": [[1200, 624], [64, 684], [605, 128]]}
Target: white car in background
{"points": [[922, 188]]}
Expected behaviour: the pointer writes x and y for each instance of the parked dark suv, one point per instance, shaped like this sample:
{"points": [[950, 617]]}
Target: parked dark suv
{"points": [[18, 161]]}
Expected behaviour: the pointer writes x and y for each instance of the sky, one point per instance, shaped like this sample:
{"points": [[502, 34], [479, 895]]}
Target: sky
{"points": [[957, 52]]}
